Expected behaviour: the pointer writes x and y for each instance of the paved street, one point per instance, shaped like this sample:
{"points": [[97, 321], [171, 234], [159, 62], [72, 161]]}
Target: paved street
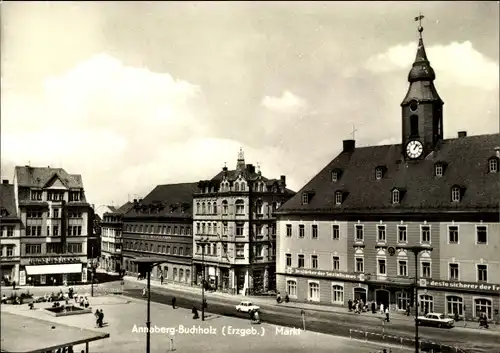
{"points": [[123, 314]]}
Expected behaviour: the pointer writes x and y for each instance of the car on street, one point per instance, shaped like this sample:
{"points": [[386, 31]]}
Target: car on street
{"points": [[246, 306], [435, 319]]}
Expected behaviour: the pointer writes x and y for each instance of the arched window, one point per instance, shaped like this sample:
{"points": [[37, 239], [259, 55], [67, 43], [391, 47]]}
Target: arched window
{"points": [[314, 291], [454, 305], [240, 207], [203, 228], [483, 305], [214, 209], [224, 207], [261, 187], [426, 304], [242, 186], [291, 288], [198, 208], [493, 165], [414, 126], [209, 228], [259, 206], [236, 186], [395, 196], [337, 294], [203, 208], [455, 194], [209, 207]]}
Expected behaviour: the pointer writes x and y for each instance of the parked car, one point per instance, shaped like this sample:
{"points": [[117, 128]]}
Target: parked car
{"points": [[435, 319], [246, 306]]}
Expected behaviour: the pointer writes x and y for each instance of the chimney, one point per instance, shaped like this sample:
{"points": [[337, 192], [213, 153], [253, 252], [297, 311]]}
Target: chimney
{"points": [[283, 179], [5, 182], [462, 134], [349, 145]]}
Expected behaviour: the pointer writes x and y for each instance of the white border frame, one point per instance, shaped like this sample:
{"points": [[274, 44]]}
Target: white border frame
{"points": [[448, 234], [394, 192], [308, 291], [477, 264], [401, 259], [459, 193], [359, 256], [448, 294], [341, 198], [296, 287], [398, 227], [340, 284], [385, 231], [449, 270], [428, 260], [356, 233], [332, 174], [474, 306], [305, 198], [487, 234], [430, 234]]}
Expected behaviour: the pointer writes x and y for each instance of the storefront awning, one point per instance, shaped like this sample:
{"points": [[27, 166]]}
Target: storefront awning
{"points": [[53, 269]]}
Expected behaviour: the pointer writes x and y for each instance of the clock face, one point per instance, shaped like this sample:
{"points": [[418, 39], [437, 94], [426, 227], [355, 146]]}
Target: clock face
{"points": [[413, 105], [414, 149]]}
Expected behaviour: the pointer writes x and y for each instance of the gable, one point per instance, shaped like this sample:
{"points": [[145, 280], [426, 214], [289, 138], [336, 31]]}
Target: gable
{"points": [[55, 183]]}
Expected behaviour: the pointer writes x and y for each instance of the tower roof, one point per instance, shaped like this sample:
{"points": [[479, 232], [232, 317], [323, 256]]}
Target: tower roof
{"points": [[421, 70]]}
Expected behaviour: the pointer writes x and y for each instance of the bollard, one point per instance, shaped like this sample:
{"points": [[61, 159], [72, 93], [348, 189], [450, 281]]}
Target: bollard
{"points": [[401, 342], [172, 347], [366, 336], [350, 333]]}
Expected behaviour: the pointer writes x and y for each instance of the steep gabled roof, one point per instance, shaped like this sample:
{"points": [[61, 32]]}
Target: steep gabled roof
{"points": [[466, 162], [125, 207], [166, 201], [7, 201], [38, 177]]}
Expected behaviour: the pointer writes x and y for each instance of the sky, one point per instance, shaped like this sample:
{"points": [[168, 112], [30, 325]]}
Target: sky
{"points": [[135, 94]]}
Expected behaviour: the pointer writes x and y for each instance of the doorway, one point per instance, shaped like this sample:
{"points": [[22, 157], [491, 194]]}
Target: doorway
{"points": [[360, 294], [382, 296]]}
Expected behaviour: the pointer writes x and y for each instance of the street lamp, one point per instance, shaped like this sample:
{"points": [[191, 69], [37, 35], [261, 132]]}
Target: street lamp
{"points": [[417, 250], [145, 265], [203, 242]]}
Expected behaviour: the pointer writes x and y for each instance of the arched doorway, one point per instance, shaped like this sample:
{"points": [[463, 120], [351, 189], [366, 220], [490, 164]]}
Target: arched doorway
{"points": [[360, 294], [382, 296]]}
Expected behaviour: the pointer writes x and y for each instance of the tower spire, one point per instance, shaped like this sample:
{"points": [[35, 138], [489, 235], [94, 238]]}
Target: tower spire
{"points": [[240, 164]]}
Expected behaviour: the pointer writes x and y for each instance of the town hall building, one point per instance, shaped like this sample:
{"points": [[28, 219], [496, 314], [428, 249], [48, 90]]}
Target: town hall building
{"points": [[348, 233]]}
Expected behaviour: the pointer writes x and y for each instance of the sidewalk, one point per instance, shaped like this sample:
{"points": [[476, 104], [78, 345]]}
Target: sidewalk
{"points": [[395, 316]]}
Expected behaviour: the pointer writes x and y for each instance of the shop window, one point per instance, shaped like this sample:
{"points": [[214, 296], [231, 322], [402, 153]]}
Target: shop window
{"points": [[291, 287], [483, 305], [454, 305], [314, 291], [337, 294]]}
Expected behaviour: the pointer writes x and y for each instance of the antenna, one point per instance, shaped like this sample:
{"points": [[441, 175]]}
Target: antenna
{"points": [[353, 133]]}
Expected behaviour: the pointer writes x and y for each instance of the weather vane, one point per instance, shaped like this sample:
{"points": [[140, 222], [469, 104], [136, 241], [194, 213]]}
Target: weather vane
{"points": [[419, 18]]}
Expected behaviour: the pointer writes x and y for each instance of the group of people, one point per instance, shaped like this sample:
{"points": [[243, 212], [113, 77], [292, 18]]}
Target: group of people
{"points": [[279, 299], [99, 318], [359, 306]]}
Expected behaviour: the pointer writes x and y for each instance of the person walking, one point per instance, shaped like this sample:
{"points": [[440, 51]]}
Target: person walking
{"points": [[14, 285], [144, 292], [349, 304], [173, 302], [382, 308], [387, 314], [97, 317], [161, 279]]}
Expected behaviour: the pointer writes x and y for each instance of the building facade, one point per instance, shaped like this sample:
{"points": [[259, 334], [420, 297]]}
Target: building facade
{"points": [[235, 229], [160, 225], [349, 232], [10, 235], [111, 239], [55, 225]]}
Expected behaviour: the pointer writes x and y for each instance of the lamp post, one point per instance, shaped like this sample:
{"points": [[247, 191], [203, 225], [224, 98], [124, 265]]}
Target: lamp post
{"points": [[203, 243], [92, 269], [145, 265], [417, 250]]}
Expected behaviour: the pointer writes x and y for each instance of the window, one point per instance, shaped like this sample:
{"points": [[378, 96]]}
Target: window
{"points": [[402, 268], [291, 288], [288, 230], [493, 165], [454, 305], [224, 228], [438, 170], [209, 208], [426, 304], [198, 208], [314, 261], [55, 213], [236, 187], [453, 234], [481, 234], [455, 194], [426, 270], [10, 231], [305, 198], [209, 228], [314, 231], [335, 232], [302, 231], [482, 273], [402, 300], [337, 294], [33, 249], [224, 207], [336, 263], [381, 270], [240, 251], [381, 234], [378, 173], [483, 305], [175, 274], [338, 198], [359, 232], [360, 265], [188, 276], [10, 251], [36, 195], [402, 234], [75, 248], [454, 272], [55, 230], [181, 275], [414, 126], [288, 260], [240, 207], [395, 196], [425, 234], [168, 249], [300, 261], [181, 251], [335, 176], [163, 249], [203, 209], [240, 227], [314, 291]]}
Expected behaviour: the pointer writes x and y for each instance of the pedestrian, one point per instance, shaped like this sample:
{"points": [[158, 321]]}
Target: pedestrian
{"points": [[349, 304], [382, 308], [256, 317], [14, 285], [101, 318], [194, 311], [173, 302], [287, 299], [144, 292], [161, 279], [374, 308], [97, 317], [387, 314], [54, 281]]}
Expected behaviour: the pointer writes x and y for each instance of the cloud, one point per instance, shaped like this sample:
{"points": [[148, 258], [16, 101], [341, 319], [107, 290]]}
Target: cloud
{"points": [[457, 63], [287, 103]]}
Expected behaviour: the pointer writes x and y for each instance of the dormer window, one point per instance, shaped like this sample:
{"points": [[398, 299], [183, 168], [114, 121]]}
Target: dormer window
{"points": [[305, 198], [438, 170], [338, 197], [395, 197], [456, 193], [378, 173], [336, 174], [493, 165]]}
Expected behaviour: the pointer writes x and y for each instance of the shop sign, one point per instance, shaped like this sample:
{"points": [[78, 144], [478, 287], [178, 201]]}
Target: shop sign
{"points": [[325, 274], [465, 285], [53, 260]]}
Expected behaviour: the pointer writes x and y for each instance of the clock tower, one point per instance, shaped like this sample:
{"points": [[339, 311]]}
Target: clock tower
{"points": [[422, 108]]}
